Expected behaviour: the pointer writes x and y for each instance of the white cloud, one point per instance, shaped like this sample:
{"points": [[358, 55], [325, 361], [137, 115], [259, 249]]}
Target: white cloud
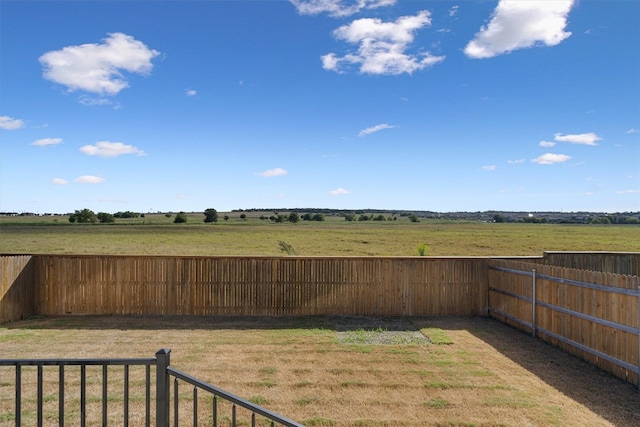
{"points": [[550, 159], [89, 179], [633, 130], [627, 191], [59, 181], [373, 129], [339, 192], [110, 149], [337, 8], [272, 172], [547, 144], [515, 162], [97, 68], [489, 168], [521, 24], [91, 101], [454, 10], [583, 138], [9, 123], [46, 141], [190, 92], [382, 46]]}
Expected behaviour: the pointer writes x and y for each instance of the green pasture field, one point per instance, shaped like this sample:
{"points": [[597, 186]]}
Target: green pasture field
{"points": [[156, 234]]}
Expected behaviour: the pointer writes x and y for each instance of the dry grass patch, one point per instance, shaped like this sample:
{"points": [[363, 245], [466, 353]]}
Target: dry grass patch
{"points": [[342, 371]]}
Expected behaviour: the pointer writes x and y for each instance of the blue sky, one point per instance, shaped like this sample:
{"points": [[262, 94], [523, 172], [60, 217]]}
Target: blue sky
{"points": [[345, 104]]}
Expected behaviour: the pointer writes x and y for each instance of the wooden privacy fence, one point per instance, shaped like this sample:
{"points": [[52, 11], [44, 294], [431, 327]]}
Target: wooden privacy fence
{"points": [[608, 262], [591, 314], [17, 288], [414, 286]]}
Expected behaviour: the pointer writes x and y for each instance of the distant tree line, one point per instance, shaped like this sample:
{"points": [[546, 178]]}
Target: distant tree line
{"points": [[295, 216], [88, 216]]}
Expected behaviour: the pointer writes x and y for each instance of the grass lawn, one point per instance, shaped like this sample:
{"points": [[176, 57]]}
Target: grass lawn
{"points": [[337, 371]]}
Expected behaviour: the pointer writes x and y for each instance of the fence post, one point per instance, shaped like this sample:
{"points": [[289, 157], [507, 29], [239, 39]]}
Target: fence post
{"points": [[533, 303], [638, 337], [163, 360]]}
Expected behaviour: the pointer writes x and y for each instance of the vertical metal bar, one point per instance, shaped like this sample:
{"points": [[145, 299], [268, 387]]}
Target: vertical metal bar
{"points": [[126, 395], [638, 337], [233, 415], [83, 395], [215, 411], [253, 419], [147, 397], [104, 395], [195, 407], [534, 302], [176, 401], [18, 395], [39, 395], [163, 360], [61, 397]]}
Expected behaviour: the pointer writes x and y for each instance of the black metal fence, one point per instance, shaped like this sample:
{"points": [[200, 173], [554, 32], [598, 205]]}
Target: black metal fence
{"points": [[161, 417]]}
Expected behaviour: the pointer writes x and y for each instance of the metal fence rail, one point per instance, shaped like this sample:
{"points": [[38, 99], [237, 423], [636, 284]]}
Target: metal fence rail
{"points": [[162, 392]]}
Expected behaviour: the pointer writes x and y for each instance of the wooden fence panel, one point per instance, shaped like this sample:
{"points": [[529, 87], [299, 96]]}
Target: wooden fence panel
{"points": [[17, 290], [591, 314], [609, 262], [414, 286]]}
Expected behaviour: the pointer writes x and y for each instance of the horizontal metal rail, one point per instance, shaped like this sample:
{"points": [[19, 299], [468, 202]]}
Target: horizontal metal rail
{"points": [[595, 286], [235, 400], [591, 351], [76, 362]]}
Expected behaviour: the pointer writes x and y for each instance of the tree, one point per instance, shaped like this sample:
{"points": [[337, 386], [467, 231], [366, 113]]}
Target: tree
{"points": [[105, 218], [181, 218], [226, 217], [294, 217], [85, 215], [318, 217], [414, 218], [243, 216], [210, 215], [127, 214]]}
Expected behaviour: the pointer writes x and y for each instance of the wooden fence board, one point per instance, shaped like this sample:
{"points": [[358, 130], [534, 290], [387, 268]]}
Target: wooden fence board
{"points": [[17, 290]]}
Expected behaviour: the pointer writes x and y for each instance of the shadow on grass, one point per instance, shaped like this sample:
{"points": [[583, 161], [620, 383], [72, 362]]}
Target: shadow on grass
{"points": [[151, 323], [611, 398]]}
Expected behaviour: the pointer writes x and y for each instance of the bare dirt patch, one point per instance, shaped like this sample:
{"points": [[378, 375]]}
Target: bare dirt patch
{"points": [[341, 371]]}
